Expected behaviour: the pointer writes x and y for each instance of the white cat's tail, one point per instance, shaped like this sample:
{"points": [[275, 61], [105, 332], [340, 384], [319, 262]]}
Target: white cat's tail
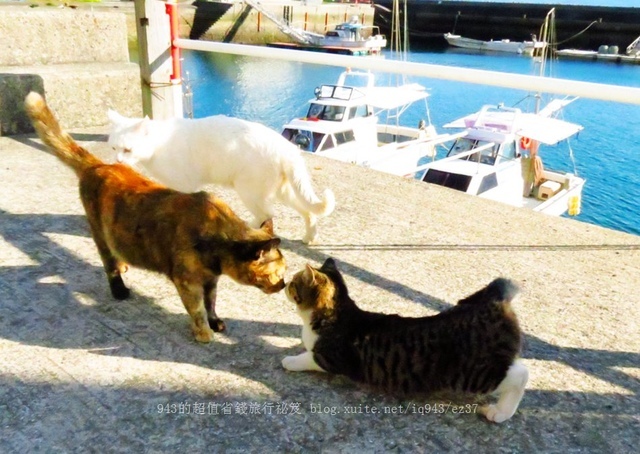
{"points": [[300, 183]]}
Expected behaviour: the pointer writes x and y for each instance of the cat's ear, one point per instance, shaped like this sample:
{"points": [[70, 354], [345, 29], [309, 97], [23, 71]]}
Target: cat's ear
{"points": [[271, 243], [309, 274], [267, 226], [256, 250], [114, 116], [329, 265], [143, 126]]}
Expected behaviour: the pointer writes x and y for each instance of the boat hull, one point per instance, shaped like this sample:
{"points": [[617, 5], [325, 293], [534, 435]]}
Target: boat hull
{"points": [[577, 54]]}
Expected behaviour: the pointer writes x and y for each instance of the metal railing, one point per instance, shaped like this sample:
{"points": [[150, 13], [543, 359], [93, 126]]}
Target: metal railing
{"points": [[604, 92]]}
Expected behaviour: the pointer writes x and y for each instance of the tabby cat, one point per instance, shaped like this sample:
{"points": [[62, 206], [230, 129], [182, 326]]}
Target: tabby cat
{"points": [[472, 347], [191, 238]]}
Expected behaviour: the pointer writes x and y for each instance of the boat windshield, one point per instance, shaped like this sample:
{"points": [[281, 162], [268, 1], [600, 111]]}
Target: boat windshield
{"points": [[325, 112], [464, 144], [309, 141]]}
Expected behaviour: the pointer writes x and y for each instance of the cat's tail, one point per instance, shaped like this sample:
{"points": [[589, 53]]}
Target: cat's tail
{"points": [[300, 182], [48, 128], [500, 290]]}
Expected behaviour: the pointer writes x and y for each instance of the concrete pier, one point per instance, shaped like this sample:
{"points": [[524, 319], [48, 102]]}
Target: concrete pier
{"points": [[80, 371]]}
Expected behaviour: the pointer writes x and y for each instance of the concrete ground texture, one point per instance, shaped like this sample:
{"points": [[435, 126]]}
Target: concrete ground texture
{"points": [[81, 372]]}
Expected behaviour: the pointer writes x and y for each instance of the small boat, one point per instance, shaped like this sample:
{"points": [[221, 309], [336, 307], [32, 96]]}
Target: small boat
{"points": [[351, 34], [605, 53], [496, 157], [503, 45], [342, 122], [348, 38]]}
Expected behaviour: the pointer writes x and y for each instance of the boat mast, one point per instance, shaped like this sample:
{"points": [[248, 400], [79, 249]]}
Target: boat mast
{"points": [[405, 33], [548, 36]]}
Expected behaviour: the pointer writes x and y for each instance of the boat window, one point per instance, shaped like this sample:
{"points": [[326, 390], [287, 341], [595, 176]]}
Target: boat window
{"points": [[359, 111], [486, 156], [288, 134], [305, 140], [508, 151], [315, 110], [461, 145], [328, 143], [332, 113], [344, 137], [447, 179], [488, 182], [334, 91], [328, 113]]}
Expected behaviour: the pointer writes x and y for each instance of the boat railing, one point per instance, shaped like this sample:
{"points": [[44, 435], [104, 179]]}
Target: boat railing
{"points": [[391, 150], [634, 47], [464, 154], [591, 90]]}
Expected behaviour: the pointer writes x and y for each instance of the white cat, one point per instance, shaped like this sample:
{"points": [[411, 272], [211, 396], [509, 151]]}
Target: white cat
{"points": [[260, 164]]}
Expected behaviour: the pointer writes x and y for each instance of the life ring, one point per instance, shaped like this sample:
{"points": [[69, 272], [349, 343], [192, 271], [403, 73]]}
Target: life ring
{"points": [[525, 143]]}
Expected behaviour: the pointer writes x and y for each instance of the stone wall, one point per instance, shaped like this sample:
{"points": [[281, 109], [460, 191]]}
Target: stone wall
{"points": [[77, 58]]}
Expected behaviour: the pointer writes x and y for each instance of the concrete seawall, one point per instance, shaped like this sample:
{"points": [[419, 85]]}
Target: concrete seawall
{"points": [[239, 23], [428, 20], [79, 370]]}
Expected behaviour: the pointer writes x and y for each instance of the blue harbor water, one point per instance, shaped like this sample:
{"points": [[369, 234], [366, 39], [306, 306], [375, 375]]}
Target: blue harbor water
{"points": [[606, 153]]}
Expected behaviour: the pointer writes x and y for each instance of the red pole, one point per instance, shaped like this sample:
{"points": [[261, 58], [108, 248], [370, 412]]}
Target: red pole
{"points": [[172, 11]]}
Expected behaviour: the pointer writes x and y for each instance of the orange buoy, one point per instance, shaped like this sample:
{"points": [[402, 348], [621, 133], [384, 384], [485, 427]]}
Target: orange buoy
{"points": [[525, 143]]}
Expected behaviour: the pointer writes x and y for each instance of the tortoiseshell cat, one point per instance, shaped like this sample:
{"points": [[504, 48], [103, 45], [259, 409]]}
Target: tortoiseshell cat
{"points": [[191, 238], [472, 347]]}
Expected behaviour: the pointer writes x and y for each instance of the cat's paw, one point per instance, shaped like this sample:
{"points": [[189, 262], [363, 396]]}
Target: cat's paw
{"points": [[298, 363], [494, 414], [308, 239], [118, 289], [217, 324], [204, 335], [291, 363]]}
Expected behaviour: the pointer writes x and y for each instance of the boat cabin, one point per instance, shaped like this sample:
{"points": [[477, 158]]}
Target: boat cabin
{"points": [[477, 163]]}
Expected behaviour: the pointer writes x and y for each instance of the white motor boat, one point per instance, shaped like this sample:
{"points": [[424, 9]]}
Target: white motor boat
{"points": [[503, 45], [351, 34], [343, 123], [496, 157]]}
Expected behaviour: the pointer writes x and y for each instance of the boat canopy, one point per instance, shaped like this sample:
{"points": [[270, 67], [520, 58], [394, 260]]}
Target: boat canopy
{"points": [[546, 130], [393, 97], [534, 126]]}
